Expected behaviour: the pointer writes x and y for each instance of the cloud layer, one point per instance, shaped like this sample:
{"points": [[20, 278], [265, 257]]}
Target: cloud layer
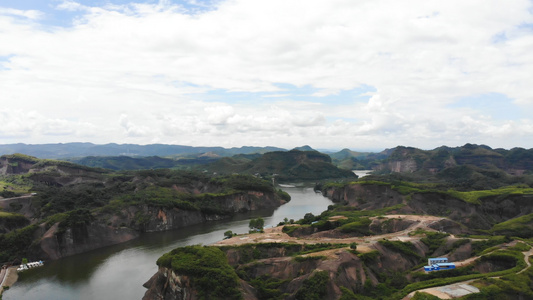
{"points": [[331, 74]]}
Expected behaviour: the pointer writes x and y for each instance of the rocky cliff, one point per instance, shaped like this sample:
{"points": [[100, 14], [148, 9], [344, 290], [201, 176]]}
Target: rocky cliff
{"points": [[166, 284], [386, 266], [514, 162], [272, 271], [109, 229], [70, 209], [489, 210]]}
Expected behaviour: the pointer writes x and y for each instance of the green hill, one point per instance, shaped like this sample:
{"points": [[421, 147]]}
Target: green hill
{"points": [[288, 166], [466, 167]]}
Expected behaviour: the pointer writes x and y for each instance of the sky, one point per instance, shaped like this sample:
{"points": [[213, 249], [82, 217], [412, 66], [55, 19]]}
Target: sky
{"points": [[357, 74]]}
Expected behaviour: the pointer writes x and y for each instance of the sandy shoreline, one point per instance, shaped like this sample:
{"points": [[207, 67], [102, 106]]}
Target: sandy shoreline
{"points": [[9, 279]]}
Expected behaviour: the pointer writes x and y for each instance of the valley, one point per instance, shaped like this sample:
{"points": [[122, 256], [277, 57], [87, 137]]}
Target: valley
{"points": [[470, 204]]}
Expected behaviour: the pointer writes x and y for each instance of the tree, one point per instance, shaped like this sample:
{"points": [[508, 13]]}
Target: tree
{"points": [[228, 234], [308, 218], [256, 224], [353, 246]]}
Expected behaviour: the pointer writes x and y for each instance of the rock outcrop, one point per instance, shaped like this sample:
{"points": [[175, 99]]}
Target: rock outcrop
{"points": [[339, 268], [110, 229], [56, 242], [166, 284], [483, 215]]}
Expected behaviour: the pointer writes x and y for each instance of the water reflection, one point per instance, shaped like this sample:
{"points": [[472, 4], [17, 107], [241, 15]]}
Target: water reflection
{"points": [[118, 272]]}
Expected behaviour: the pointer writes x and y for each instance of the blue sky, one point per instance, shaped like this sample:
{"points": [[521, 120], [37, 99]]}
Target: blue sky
{"points": [[336, 74]]}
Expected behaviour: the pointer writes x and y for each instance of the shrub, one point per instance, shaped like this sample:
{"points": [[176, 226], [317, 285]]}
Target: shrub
{"points": [[314, 287], [269, 288], [208, 268], [228, 234], [369, 256], [256, 224], [360, 226], [480, 246], [402, 247], [434, 240], [16, 243]]}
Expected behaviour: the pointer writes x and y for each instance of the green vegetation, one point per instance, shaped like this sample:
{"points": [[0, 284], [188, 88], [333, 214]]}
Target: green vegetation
{"points": [[208, 269], [421, 276], [288, 165], [434, 240], [472, 196], [157, 188], [12, 220], [269, 288], [521, 227], [405, 248], [475, 197], [520, 247], [314, 288], [459, 243], [359, 227], [14, 185], [290, 229], [353, 246], [118, 163], [252, 252], [243, 183], [369, 256], [479, 246], [256, 224], [356, 221], [228, 234], [512, 286], [16, 243], [160, 197], [511, 258], [21, 157]]}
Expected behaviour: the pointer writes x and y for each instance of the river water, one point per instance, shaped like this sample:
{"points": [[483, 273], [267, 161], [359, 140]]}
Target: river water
{"points": [[118, 272]]}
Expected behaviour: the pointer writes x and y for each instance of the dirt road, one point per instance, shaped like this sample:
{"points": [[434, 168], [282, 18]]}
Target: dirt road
{"points": [[275, 234]]}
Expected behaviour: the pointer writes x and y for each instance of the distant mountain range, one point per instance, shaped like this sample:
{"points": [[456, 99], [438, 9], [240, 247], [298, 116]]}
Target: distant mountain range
{"points": [[73, 150], [468, 164]]}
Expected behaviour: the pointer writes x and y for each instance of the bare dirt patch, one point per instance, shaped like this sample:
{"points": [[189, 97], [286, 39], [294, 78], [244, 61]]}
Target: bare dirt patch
{"points": [[276, 235]]}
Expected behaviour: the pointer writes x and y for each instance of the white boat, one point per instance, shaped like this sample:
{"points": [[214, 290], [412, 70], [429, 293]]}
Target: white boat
{"points": [[30, 265]]}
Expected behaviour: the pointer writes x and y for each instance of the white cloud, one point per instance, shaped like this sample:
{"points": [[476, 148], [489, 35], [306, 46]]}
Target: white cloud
{"points": [[30, 14], [71, 6], [154, 65]]}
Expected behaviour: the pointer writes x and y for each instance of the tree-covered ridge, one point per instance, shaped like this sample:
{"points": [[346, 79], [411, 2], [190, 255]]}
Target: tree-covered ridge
{"points": [[285, 166], [288, 271], [72, 196], [207, 268], [22, 164], [516, 161]]}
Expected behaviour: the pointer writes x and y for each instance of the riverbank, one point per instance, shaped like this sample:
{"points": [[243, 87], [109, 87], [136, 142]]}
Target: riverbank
{"points": [[8, 277], [96, 274]]}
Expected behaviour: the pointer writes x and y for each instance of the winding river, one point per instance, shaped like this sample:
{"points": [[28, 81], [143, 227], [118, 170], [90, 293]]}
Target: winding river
{"points": [[118, 272]]}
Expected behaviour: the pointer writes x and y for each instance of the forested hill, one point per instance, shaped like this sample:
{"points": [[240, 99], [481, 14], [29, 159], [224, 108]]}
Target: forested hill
{"points": [[516, 161], [142, 163], [51, 209], [286, 166]]}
